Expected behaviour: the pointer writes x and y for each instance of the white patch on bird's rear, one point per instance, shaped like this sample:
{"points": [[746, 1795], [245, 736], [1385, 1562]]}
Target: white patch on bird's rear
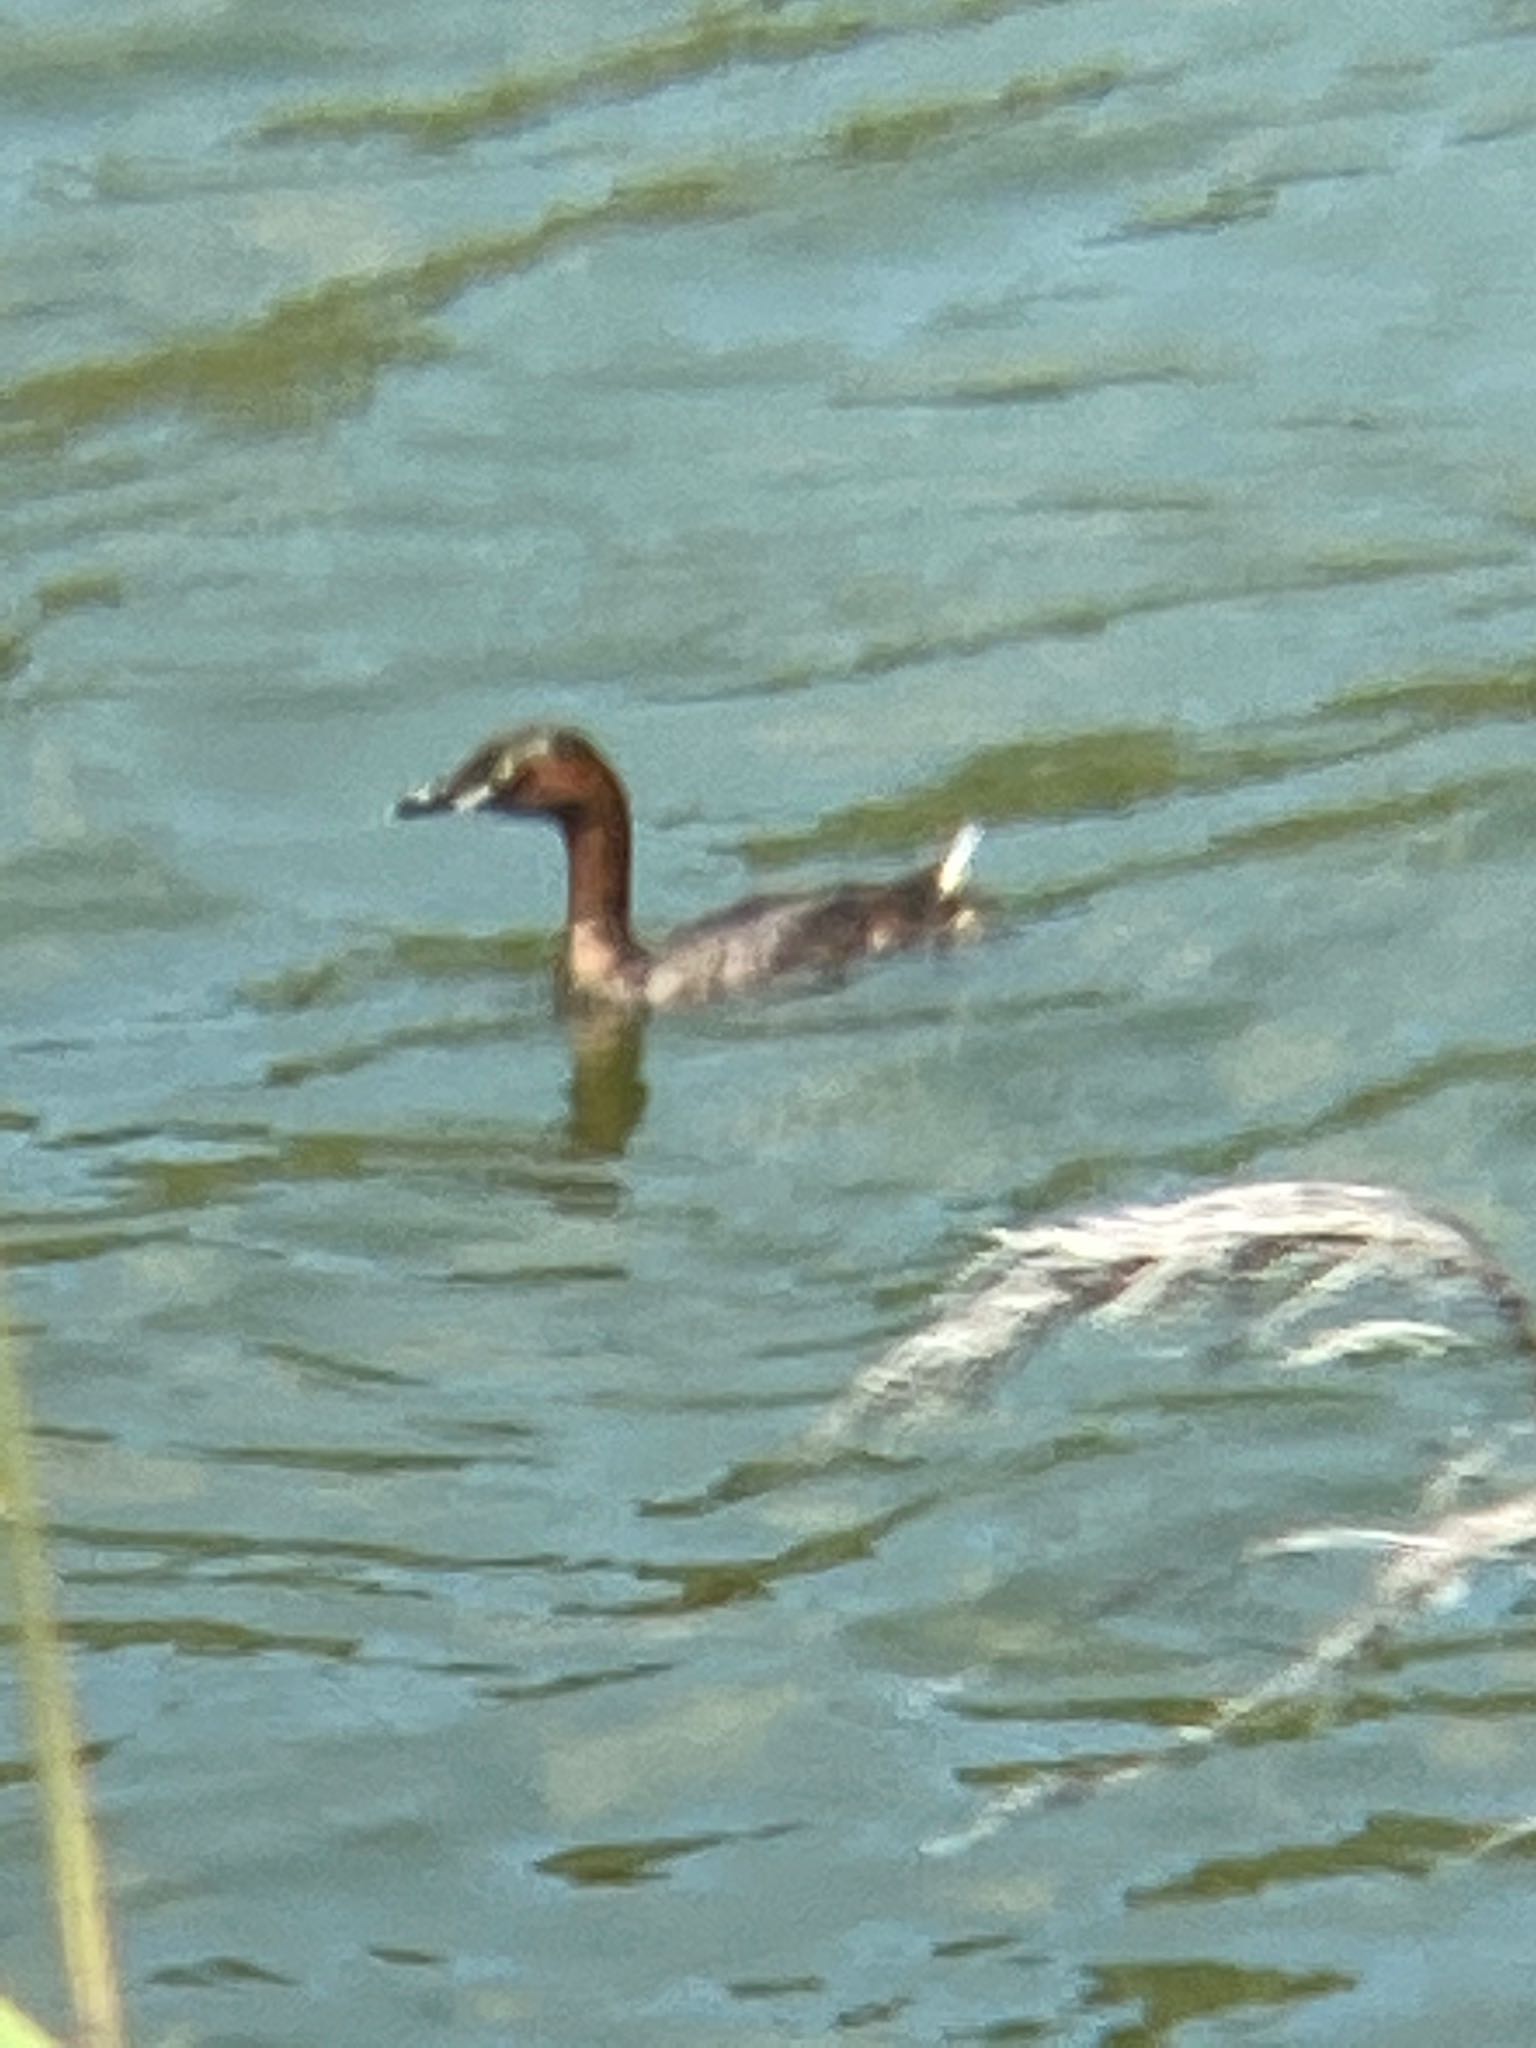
{"points": [[474, 799], [956, 864]]}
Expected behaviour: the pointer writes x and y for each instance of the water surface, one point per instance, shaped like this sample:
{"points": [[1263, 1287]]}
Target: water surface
{"points": [[1111, 423]]}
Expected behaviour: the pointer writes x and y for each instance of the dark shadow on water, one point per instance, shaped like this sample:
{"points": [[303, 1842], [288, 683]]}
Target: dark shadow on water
{"points": [[751, 1478]]}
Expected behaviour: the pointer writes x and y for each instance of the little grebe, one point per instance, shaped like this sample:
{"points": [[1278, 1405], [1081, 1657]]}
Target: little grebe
{"points": [[547, 772]]}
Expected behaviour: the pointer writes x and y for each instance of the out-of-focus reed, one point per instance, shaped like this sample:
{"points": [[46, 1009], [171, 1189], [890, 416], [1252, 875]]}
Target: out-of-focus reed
{"points": [[79, 1893]]}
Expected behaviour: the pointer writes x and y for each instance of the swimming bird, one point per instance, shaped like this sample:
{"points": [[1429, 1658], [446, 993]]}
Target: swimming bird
{"points": [[551, 772]]}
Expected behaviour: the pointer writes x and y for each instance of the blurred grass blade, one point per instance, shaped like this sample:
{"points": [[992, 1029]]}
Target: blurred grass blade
{"points": [[17, 2031], [79, 1897]]}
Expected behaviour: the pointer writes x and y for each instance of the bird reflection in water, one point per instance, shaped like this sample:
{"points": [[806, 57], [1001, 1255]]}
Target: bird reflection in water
{"points": [[607, 1093]]}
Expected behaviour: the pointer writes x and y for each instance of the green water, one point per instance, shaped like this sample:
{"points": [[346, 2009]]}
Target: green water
{"points": [[1111, 423]]}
